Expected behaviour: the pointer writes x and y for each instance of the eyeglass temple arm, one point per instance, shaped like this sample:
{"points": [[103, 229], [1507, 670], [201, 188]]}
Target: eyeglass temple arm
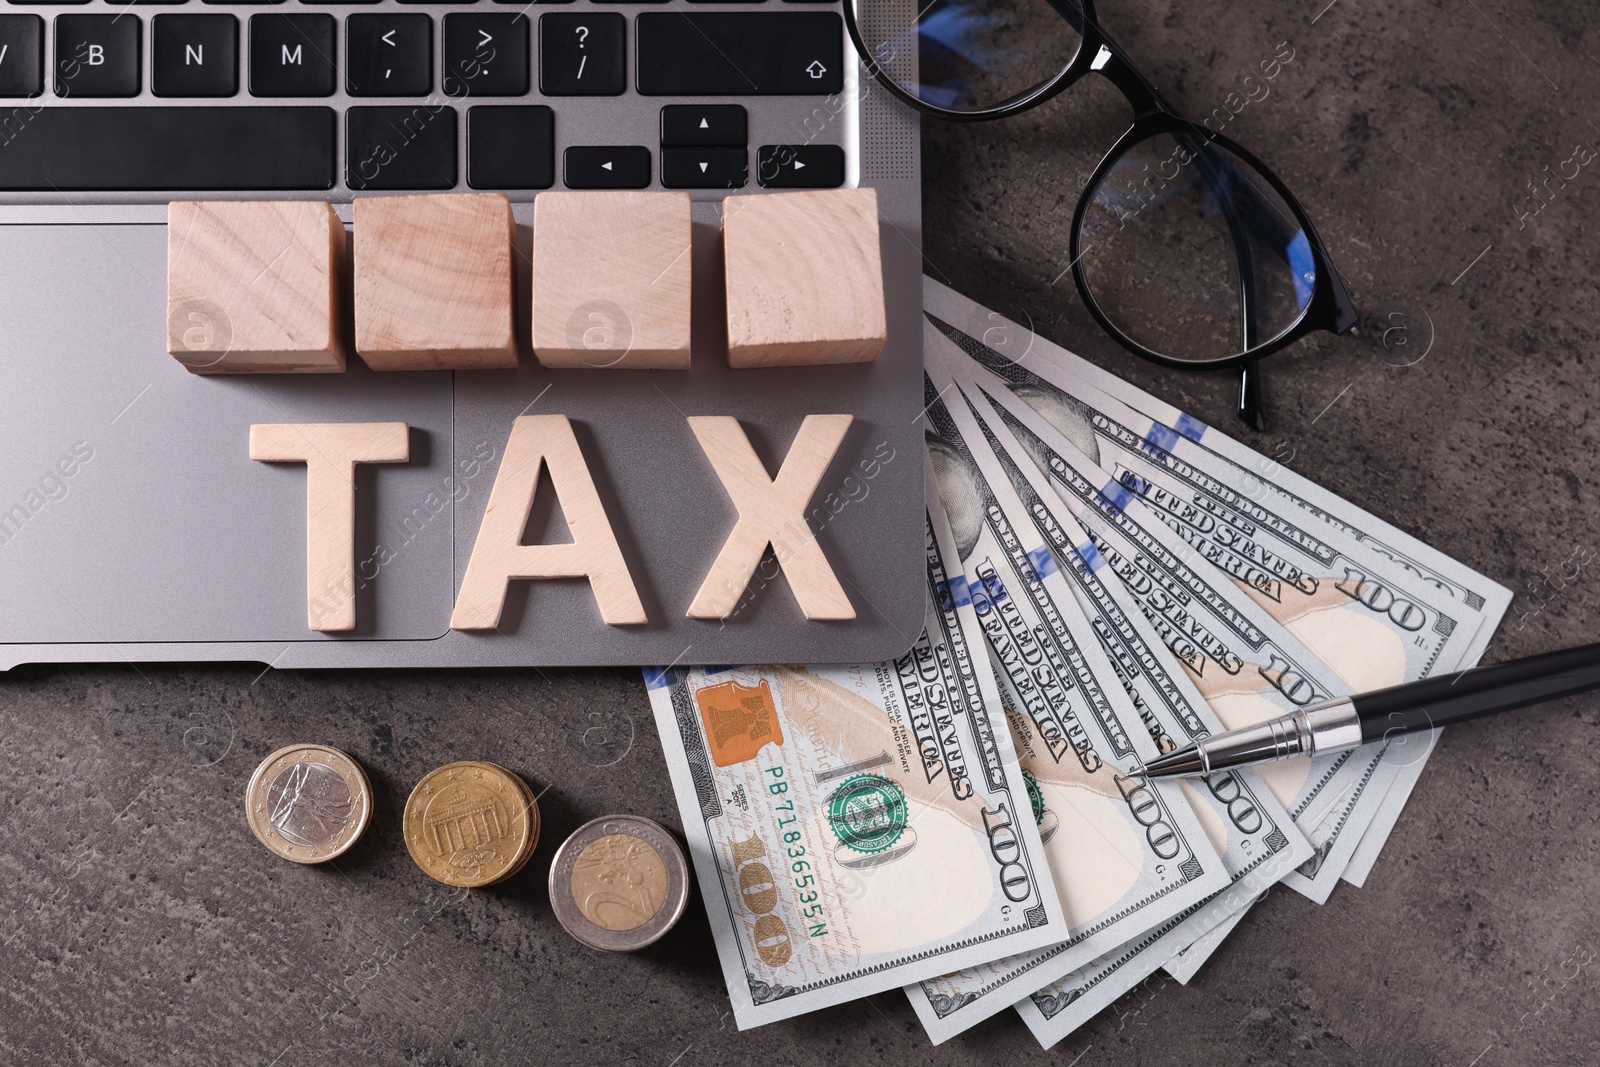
{"points": [[1252, 412]]}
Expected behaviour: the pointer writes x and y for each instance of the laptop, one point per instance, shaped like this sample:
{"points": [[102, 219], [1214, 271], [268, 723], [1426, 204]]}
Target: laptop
{"points": [[133, 524]]}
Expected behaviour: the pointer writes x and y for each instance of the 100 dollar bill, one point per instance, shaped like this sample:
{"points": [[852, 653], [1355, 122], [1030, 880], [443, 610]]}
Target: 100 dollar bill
{"points": [[1254, 835], [1320, 565], [1126, 854], [1245, 664], [1323, 586], [857, 828], [1306, 506]]}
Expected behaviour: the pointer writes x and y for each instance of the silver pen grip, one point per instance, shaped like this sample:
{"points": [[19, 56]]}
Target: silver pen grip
{"points": [[1327, 727]]}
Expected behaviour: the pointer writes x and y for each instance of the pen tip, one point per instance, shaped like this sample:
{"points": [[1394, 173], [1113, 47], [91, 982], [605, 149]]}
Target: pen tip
{"points": [[1138, 771]]}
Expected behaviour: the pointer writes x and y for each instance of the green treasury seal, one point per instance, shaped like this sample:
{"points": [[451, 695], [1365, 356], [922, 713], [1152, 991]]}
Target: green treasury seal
{"points": [[868, 813], [1035, 797]]}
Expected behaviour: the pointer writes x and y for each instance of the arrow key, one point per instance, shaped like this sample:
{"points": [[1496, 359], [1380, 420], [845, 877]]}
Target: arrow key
{"points": [[800, 166], [692, 125], [607, 167], [703, 168]]}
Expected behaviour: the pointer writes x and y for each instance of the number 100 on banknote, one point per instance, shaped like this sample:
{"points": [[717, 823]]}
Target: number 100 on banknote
{"points": [[857, 828]]}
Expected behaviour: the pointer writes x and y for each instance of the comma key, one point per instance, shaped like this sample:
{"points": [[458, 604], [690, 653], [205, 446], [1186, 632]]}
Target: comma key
{"points": [[388, 55]]}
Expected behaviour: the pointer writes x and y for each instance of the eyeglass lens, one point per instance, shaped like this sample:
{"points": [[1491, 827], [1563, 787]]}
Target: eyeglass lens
{"points": [[967, 55], [1191, 254]]}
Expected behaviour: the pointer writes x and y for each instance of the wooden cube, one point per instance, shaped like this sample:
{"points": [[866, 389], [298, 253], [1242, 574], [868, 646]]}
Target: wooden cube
{"points": [[611, 282], [253, 287], [804, 278], [433, 284]]}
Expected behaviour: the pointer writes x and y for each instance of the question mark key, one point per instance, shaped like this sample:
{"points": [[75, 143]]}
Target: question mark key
{"points": [[582, 55]]}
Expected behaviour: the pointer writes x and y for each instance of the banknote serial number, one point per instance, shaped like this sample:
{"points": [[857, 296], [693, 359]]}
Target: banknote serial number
{"points": [[805, 880]]}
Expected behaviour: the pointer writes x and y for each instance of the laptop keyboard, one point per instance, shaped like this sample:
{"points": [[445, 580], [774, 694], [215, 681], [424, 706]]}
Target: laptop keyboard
{"points": [[175, 95]]}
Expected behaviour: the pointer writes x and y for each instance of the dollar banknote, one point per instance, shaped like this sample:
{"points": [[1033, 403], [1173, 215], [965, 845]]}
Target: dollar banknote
{"points": [[1126, 855], [1377, 566], [1244, 663], [1325, 587], [1246, 824], [1282, 539], [1322, 586], [1187, 963], [856, 828], [1334, 593], [1298, 503]]}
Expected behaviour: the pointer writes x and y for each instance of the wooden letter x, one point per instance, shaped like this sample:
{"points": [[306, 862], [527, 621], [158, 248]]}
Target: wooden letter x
{"points": [[499, 556], [771, 511], [330, 451]]}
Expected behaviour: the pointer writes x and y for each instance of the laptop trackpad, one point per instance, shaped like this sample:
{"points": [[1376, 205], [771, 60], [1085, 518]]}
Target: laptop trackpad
{"points": [[130, 510]]}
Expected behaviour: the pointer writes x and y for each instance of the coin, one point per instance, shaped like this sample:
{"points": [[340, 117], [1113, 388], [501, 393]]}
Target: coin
{"points": [[471, 823], [308, 803], [619, 883], [532, 804]]}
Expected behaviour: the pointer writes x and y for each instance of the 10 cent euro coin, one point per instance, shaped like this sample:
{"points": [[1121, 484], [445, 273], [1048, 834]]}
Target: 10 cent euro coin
{"points": [[471, 824]]}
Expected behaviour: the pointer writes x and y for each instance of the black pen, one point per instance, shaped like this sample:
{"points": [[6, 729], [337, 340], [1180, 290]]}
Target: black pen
{"points": [[1350, 721]]}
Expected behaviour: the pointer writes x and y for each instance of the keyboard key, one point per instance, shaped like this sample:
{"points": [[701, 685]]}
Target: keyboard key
{"points": [[194, 55], [511, 147], [705, 53], [703, 124], [388, 55], [21, 55], [485, 55], [291, 55], [97, 55], [582, 55], [174, 149], [704, 168], [400, 147], [608, 167], [800, 166]]}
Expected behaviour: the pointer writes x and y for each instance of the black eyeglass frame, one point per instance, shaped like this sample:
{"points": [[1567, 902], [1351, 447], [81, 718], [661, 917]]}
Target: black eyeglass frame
{"points": [[1330, 307]]}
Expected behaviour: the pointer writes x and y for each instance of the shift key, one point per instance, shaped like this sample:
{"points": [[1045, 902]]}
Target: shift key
{"points": [[759, 53]]}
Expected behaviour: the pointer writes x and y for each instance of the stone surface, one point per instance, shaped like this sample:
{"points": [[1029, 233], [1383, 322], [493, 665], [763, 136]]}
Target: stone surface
{"points": [[142, 923]]}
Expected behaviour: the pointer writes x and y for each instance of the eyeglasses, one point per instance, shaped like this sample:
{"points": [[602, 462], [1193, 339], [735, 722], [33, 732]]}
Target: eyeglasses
{"points": [[1185, 247]]}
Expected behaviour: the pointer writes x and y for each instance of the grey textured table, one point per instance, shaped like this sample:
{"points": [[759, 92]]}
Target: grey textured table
{"points": [[141, 922]]}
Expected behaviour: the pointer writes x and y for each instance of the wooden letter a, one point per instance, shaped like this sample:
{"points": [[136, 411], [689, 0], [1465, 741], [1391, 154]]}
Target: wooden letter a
{"points": [[500, 556]]}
